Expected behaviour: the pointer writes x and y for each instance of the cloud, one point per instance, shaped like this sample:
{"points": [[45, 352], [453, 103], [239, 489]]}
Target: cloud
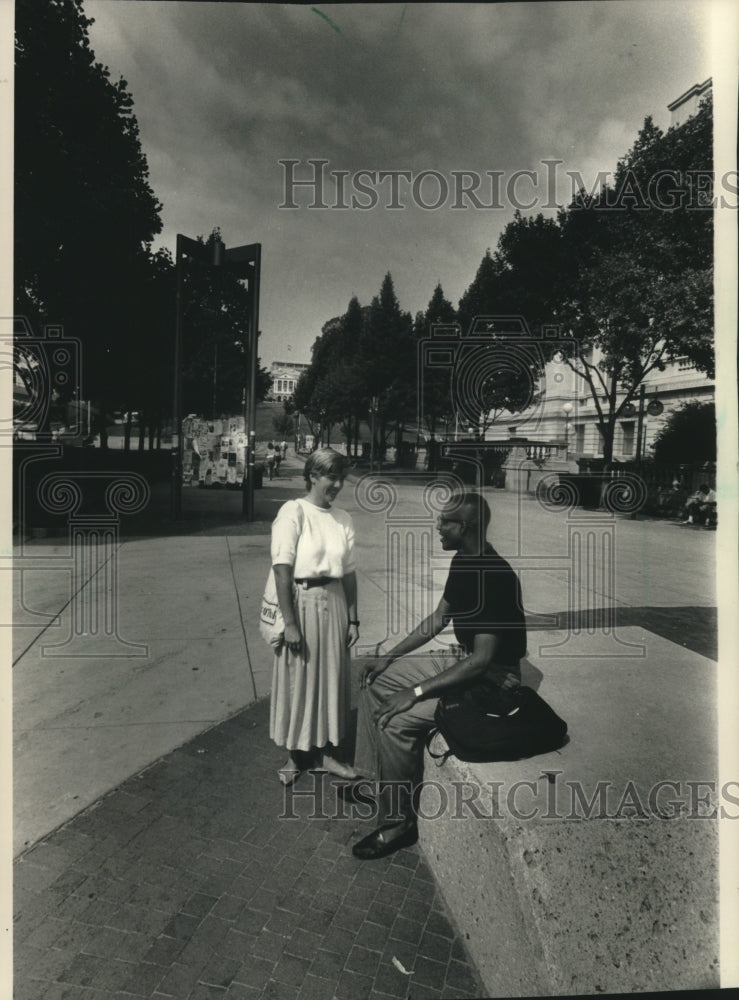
{"points": [[223, 91]]}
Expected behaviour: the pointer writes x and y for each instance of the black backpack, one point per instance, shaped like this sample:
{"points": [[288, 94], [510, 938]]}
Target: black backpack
{"points": [[479, 725]]}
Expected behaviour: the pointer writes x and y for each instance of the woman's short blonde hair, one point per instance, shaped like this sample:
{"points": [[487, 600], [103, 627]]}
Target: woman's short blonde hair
{"points": [[324, 462]]}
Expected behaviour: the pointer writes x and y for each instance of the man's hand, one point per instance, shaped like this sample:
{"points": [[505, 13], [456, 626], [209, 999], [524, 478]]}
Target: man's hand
{"points": [[352, 635], [399, 701], [372, 668]]}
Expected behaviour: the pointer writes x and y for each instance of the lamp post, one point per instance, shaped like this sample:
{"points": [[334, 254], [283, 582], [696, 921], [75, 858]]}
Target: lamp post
{"points": [[245, 262], [567, 408]]}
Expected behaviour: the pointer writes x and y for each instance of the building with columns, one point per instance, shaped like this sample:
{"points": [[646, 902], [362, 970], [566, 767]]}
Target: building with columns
{"points": [[285, 375]]}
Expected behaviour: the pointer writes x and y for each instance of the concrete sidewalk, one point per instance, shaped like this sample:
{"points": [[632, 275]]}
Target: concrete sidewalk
{"points": [[85, 720], [179, 877]]}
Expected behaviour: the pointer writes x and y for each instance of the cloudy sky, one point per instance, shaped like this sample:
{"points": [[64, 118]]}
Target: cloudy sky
{"points": [[224, 91]]}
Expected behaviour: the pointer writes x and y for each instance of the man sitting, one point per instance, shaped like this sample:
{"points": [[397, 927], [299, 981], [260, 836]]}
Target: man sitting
{"points": [[482, 598], [701, 507]]}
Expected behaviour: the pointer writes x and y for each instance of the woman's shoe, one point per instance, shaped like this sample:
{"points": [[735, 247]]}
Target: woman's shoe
{"points": [[289, 773], [330, 765]]}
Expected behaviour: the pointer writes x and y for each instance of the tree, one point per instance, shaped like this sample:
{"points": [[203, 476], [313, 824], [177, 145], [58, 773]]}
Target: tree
{"points": [[387, 355], [283, 424], [688, 436], [519, 280], [334, 389], [149, 381], [84, 211], [215, 339], [327, 402], [481, 298], [506, 388], [353, 389], [640, 278], [303, 397], [628, 280], [434, 386]]}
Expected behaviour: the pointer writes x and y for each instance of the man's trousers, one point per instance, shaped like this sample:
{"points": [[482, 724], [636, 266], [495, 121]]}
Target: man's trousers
{"points": [[393, 756]]}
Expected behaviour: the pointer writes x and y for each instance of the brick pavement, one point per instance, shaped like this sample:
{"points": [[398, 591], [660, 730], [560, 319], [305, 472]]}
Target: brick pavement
{"points": [[184, 883]]}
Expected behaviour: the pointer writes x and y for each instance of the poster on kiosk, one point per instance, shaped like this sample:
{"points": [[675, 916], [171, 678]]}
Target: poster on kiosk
{"points": [[214, 451]]}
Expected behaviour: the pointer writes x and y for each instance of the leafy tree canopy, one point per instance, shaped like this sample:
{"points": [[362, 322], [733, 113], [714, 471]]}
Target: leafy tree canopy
{"points": [[688, 436], [628, 279], [215, 340]]}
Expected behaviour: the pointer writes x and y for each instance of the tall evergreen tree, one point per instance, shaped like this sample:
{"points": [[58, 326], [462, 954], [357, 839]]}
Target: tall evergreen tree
{"points": [[482, 297], [433, 382], [84, 211], [388, 357]]}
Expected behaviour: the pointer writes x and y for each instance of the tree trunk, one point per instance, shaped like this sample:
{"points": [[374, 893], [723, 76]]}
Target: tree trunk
{"points": [[607, 431], [127, 432]]}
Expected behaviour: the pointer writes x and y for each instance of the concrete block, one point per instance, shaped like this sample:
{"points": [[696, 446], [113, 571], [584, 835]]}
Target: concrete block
{"points": [[616, 892]]}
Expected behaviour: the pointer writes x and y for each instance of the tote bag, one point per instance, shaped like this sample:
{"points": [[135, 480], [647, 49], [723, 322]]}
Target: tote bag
{"points": [[271, 621]]}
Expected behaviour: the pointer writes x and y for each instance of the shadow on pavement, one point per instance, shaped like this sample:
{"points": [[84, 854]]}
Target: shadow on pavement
{"points": [[701, 635]]}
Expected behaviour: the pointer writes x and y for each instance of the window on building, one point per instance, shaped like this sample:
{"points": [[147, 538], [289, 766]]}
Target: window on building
{"points": [[627, 441]]}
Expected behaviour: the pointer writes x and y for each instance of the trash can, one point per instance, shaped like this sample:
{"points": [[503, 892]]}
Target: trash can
{"points": [[258, 477]]}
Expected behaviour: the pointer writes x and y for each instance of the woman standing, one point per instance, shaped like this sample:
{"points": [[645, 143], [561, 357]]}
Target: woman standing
{"points": [[313, 555]]}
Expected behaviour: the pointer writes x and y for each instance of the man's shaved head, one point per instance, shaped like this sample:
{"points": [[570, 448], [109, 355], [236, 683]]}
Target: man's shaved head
{"points": [[472, 508]]}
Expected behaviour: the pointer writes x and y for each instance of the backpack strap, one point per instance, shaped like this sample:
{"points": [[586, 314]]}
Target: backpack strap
{"points": [[440, 758]]}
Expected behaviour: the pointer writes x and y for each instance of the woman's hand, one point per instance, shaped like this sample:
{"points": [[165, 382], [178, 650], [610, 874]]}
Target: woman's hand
{"points": [[352, 635], [293, 638]]}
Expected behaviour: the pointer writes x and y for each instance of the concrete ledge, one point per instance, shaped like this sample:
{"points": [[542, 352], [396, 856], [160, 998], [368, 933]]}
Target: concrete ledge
{"points": [[556, 898]]}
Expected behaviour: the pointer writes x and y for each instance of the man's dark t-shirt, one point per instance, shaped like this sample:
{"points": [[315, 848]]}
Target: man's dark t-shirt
{"points": [[484, 594]]}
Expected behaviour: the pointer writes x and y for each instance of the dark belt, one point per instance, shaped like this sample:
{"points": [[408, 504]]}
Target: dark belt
{"points": [[314, 581]]}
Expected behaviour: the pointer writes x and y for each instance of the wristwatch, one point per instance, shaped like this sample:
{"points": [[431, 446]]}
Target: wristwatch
{"points": [[354, 623]]}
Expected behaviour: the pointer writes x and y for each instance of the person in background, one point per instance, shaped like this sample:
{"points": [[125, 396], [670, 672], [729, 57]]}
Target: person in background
{"points": [[313, 548], [701, 507], [269, 460], [283, 448]]}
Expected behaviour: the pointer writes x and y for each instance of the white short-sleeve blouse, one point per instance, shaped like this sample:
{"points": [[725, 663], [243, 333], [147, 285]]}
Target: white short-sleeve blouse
{"points": [[323, 547]]}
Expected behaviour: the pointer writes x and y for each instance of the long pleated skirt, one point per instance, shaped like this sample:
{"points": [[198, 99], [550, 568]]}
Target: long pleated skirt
{"points": [[311, 690]]}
